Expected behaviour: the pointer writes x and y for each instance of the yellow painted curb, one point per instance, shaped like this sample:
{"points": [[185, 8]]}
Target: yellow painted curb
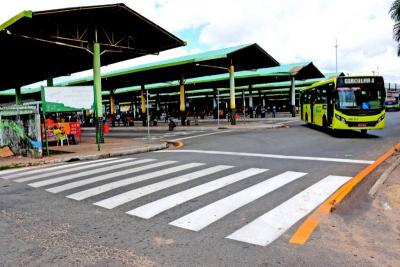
{"points": [[304, 232], [177, 144]]}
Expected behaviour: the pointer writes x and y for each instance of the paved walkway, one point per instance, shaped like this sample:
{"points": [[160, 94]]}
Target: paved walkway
{"points": [[206, 124], [86, 150]]}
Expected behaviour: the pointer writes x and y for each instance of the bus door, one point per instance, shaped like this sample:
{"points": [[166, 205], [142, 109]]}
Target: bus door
{"points": [[330, 102], [312, 103]]}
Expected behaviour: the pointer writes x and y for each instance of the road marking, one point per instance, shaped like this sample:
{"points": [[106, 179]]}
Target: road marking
{"points": [[209, 214], [123, 198], [151, 209], [110, 186], [86, 173], [33, 170], [306, 229], [354, 161], [107, 176], [69, 169], [199, 135], [267, 228]]}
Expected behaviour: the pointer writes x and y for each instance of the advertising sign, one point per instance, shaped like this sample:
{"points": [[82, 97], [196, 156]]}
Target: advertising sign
{"points": [[64, 99], [68, 128]]}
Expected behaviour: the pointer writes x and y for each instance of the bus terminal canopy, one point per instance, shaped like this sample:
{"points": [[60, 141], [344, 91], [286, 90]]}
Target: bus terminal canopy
{"points": [[35, 46], [243, 57], [256, 78]]}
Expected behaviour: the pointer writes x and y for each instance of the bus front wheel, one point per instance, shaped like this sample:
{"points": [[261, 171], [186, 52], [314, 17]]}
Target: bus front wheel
{"points": [[364, 132]]}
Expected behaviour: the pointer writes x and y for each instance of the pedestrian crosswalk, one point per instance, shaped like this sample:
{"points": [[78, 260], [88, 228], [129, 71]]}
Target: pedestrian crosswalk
{"points": [[124, 182]]}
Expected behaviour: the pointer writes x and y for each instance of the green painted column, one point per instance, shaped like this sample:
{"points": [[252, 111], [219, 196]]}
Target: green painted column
{"points": [[293, 96], [97, 94], [50, 82], [18, 96], [232, 93]]}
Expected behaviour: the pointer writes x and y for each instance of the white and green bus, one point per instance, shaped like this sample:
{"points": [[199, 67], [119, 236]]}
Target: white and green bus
{"points": [[345, 103]]}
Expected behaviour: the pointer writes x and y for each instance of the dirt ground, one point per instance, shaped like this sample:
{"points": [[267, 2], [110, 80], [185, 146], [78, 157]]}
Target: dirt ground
{"points": [[367, 228]]}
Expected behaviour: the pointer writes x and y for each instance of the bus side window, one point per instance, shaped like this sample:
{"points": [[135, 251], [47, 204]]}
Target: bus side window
{"points": [[313, 96], [323, 94]]}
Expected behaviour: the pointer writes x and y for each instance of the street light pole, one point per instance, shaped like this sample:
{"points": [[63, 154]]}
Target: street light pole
{"points": [[336, 48], [148, 116], [218, 106]]}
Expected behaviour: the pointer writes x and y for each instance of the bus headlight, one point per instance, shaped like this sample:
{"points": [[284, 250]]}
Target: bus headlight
{"points": [[381, 118], [340, 118]]}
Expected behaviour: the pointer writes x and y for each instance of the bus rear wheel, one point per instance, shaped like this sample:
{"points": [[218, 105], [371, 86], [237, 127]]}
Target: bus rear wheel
{"points": [[364, 132]]}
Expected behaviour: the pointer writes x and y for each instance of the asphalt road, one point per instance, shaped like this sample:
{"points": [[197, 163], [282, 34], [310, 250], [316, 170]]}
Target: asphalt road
{"points": [[229, 199]]}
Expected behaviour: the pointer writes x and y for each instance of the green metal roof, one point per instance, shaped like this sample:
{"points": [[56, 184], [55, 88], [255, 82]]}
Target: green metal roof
{"points": [[38, 45], [243, 57], [265, 77]]}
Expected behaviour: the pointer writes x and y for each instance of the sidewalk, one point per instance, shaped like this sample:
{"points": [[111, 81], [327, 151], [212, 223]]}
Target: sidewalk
{"points": [[86, 150], [363, 228], [264, 123]]}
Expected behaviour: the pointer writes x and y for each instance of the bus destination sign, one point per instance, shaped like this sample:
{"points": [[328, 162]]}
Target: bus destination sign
{"points": [[358, 80]]}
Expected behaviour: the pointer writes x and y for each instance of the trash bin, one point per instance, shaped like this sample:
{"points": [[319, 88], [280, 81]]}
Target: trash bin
{"points": [[106, 128]]}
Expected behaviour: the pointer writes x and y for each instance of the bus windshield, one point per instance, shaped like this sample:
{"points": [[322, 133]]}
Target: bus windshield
{"points": [[360, 96]]}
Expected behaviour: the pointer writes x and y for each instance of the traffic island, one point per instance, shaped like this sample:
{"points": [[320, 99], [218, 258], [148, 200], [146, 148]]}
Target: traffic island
{"points": [[86, 150], [364, 228]]}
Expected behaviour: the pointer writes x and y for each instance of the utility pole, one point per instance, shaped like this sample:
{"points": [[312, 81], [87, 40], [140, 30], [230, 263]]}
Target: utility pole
{"points": [[336, 48]]}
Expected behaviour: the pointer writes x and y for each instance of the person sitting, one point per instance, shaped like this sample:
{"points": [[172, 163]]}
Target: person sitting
{"points": [[60, 136]]}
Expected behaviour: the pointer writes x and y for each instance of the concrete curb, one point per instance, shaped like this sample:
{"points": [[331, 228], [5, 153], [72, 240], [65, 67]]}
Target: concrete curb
{"points": [[194, 128], [382, 179], [90, 157]]}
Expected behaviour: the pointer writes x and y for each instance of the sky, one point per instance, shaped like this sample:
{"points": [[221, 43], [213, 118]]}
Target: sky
{"points": [[289, 30]]}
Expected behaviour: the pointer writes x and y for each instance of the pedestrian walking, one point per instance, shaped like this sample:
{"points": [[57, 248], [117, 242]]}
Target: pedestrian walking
{"points": [[273, 111]]}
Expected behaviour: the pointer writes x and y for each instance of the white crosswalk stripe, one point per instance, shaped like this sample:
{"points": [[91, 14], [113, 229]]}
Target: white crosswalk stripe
{"points": [[203, 217], [149, 210], [83, 182], [261, 231], [267, 228], [110, 186], [86, 173], [68, 169], [123, 198], [16, 173]]}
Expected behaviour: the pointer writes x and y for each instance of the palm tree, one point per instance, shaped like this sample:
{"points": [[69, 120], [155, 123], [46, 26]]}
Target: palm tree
{"points": [[395, 14]]}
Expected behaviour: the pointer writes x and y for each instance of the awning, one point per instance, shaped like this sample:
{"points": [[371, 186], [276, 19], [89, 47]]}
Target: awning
{"points": [[35, 46]]}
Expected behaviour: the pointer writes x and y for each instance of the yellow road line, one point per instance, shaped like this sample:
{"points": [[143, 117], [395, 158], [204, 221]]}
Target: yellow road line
{"points": [[304, 232]]}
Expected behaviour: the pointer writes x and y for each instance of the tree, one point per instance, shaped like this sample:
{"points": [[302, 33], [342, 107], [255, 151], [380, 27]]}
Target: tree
{"points": [[395, 14]]}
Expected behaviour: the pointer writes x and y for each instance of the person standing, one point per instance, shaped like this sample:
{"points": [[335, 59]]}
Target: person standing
{"points": [[273, 111]]}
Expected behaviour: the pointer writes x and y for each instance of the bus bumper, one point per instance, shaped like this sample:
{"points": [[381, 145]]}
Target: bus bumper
{"points": [[343, 122]]}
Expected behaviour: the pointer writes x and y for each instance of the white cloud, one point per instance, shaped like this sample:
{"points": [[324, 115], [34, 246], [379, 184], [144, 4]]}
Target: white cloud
{"points": [[290, 30]]}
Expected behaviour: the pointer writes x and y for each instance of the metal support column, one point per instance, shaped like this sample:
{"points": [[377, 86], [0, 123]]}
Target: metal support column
{"points": [[232, 93], [182, 100], [215, 108], [143, 104], [244, 103], [18, 96], [158, 108], [97, 95], [112, 108], [251, 101], [293, 96], [50, 82]]}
